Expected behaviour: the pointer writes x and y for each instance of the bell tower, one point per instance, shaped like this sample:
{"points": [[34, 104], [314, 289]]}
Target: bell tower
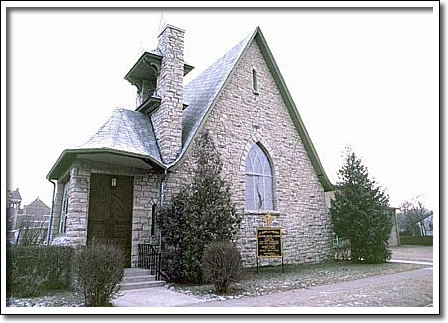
{"points": [[158, 76]]}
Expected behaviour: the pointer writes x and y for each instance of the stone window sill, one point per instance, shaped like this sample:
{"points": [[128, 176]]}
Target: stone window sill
{"points": [[262, 212]]}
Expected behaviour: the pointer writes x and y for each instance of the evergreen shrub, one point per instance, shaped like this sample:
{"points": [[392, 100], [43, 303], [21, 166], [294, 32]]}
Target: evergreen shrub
{"points": [[97, 271], [200, 213], [222, 265]]}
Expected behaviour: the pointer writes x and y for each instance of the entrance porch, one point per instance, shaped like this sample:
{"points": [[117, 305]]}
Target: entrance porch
{"points": [[106, 201]]}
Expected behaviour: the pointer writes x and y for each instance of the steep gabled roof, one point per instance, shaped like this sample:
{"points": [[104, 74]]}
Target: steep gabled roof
{"points": [[130, 133], [38, 203], [201, 94]]}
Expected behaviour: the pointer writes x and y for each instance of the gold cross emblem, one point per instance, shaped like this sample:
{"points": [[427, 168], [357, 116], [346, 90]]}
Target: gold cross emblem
{"points": [[267, 218]]}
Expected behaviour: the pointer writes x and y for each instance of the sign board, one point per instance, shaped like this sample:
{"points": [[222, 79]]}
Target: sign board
{"points": [[269, 242]]}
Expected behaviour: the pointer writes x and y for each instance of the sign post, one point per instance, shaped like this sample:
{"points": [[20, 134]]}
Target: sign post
{"points": [[269, 243]]}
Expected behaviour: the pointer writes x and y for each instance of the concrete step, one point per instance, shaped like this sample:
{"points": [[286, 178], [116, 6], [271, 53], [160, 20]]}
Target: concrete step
{"points": [[130, 272], [136, 279], [140, 285]]}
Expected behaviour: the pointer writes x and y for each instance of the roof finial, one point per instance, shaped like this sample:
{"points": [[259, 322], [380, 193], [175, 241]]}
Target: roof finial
{"points": [[162, 23], [141, 49]]}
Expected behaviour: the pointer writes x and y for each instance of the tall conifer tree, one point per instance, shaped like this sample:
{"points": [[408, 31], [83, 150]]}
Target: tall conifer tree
{"points": [[360, 212]]}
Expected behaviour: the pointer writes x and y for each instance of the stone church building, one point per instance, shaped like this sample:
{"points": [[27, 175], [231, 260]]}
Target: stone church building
{"points": [[112, 185]]}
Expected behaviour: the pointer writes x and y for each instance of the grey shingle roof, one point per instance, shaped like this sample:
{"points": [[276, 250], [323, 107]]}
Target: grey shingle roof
{"points": [[15, 196], [200, 93], [126, 131], [38, 203], [132, 132]]}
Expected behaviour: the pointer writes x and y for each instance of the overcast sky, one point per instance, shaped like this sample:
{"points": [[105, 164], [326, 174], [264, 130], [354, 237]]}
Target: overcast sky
{"points": [[364, 78]]}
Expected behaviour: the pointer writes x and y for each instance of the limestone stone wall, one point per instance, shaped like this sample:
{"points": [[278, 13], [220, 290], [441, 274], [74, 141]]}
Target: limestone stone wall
{"points": [[146, 193], [242, 118]]}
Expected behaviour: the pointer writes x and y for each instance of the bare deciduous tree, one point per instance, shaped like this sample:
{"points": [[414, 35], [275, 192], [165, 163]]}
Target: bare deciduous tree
{"points": [[411, 216]]}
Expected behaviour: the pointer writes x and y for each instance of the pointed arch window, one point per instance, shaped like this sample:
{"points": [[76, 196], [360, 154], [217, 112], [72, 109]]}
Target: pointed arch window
{"points": [[259, 180]]}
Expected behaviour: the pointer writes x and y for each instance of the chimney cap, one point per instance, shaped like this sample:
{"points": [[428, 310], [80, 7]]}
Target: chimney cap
{"points": [[170, 26]]}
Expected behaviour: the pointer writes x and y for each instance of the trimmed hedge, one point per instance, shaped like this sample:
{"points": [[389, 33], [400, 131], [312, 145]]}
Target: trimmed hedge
{"points": [[422, 240], [34, 270]]}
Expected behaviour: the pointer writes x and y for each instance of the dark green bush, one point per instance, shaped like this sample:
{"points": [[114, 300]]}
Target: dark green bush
{"points": [[422, 241], [97, 271], [35, 270], [221, 265], [200, 213]]}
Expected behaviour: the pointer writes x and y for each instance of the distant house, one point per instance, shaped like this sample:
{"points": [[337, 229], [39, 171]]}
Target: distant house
{"points": [[32, 219], [35, 212], [426, 226], [14, 199], [394, 239]]}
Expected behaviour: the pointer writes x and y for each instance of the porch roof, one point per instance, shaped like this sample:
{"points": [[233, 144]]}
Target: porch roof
{"points": [[125, 133]]}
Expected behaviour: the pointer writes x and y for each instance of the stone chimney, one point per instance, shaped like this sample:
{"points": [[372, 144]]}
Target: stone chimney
{"points": [[167, 119]]}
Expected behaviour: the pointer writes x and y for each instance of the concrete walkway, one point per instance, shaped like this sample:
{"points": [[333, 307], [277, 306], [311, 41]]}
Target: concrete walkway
{"points": [[412, 262], [154, 297]]}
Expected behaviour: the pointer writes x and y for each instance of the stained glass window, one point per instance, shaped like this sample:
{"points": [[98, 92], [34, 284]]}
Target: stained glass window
{"points": [[259, 180]]}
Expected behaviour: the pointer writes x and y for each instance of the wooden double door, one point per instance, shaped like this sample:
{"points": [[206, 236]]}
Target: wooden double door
{"points": [[110, 211]]}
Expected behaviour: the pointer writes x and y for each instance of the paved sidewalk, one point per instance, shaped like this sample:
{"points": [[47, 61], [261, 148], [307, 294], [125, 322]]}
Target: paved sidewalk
{"points": [[154, 297], [412, 262], [413, 253]]}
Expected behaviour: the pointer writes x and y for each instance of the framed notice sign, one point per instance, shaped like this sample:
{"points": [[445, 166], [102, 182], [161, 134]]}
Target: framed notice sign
{"points": [[269, 242]]}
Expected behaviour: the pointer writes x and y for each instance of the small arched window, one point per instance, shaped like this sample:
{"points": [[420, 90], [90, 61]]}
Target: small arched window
{"points": [[254, 80], [153, 219], [259, 180]]}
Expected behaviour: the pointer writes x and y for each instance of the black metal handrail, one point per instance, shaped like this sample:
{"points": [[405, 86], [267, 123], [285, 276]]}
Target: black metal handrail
{"points": [[149, 258]]}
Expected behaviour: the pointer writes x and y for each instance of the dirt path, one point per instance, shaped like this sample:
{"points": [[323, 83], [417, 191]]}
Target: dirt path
{"points": [[413, 288]]}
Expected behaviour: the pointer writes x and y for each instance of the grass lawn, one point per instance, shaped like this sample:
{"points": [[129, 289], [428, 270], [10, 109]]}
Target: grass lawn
{"points": [[271, 279], [59, 298]]}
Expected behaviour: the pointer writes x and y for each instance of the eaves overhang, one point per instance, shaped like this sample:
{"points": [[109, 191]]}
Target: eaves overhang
{"points": [[69, 155], [149, 105]]}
